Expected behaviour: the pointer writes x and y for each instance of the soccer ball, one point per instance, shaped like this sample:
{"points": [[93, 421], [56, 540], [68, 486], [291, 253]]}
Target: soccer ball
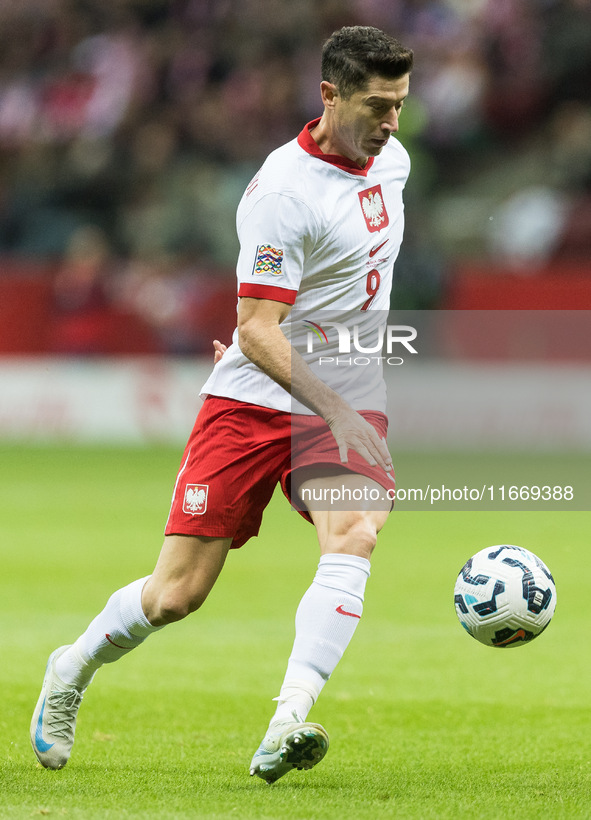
{"points": [[505, 596]]}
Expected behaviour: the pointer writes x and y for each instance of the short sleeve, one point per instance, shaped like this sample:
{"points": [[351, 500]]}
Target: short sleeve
{"points": [[276, 235]]}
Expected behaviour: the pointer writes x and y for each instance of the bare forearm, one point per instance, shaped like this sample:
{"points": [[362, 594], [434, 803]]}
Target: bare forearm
{"points": [[273, 354], [264, 343]]}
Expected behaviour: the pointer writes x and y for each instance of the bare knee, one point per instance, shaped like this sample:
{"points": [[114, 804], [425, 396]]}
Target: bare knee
{"points": [[169, 603], [352, 533], [187, 569]]}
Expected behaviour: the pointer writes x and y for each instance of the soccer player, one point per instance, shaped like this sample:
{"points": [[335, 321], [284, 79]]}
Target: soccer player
{"points": [[320, 226]]}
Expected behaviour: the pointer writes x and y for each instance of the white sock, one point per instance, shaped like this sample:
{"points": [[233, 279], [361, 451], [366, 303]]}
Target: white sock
{"points": [[115, 631], [326, 619]]}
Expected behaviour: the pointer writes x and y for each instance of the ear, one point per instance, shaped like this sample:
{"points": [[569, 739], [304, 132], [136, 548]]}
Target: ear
{"points": [[329, 93]]}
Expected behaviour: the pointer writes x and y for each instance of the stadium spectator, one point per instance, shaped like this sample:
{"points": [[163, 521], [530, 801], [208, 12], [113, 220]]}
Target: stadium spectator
{"points": [[147, 119]]}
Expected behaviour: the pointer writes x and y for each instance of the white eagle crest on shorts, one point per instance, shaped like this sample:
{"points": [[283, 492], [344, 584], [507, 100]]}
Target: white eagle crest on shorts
{"points": [[195, 502]]}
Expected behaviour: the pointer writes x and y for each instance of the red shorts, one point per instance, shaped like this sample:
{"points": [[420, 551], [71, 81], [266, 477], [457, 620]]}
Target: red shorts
{"points": [[236, 455]]}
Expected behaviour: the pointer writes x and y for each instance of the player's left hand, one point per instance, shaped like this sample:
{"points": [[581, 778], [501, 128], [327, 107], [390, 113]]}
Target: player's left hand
{"points": [[218, 350], [353, 432]]}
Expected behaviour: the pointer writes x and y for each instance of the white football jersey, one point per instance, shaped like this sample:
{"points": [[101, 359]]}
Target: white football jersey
{"points": [[320, 233]]}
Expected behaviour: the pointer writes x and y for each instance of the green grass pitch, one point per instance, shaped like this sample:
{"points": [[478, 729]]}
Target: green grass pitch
{"points": [[424, 722]]}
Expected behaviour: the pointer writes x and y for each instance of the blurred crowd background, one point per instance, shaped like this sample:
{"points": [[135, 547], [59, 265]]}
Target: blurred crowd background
{"points": [[130, 128]]}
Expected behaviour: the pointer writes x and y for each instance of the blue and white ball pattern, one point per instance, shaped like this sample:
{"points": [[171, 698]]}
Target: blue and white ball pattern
{"points": [[505, 596]]}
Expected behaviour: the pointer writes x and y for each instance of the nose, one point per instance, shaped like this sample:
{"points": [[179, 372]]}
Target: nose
{"points": [[390, 124]]}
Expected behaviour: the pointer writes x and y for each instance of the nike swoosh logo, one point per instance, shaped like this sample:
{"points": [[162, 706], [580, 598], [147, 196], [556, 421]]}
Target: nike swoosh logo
{"points": [[108, 637], [373, 251], [41, 744], [340, 609]]}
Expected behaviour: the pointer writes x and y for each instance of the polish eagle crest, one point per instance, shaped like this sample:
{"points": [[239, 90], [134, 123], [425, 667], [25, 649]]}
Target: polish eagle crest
{"points": [[374, 208], [195, 498]]}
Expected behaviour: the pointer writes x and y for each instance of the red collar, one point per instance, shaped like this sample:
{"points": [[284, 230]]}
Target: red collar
{"points": [[309, 144]]}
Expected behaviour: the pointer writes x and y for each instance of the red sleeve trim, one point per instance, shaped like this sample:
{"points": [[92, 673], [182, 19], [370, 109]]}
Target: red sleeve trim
{"points": [[268, 292]]}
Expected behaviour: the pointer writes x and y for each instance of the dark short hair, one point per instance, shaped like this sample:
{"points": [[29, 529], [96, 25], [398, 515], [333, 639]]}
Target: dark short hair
{"points": [[354, 54]]}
